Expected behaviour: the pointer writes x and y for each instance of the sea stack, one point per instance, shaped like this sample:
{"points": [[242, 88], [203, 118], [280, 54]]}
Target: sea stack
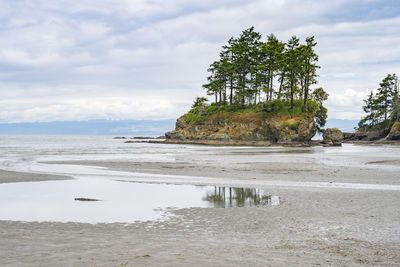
{"points": [[332, 137]]}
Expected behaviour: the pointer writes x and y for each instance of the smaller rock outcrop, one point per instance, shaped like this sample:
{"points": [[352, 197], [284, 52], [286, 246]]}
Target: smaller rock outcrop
{"points": [[349, 136], [394, 133], [333, 137]]}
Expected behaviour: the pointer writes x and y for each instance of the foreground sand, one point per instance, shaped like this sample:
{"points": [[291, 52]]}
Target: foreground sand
{"points": [[312, 226], [309, 228]]}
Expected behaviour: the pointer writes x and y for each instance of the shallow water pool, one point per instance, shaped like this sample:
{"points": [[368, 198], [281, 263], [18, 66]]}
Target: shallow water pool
{"points": [[119, 201]]}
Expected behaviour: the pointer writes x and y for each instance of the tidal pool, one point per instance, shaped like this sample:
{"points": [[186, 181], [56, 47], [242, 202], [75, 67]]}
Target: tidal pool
{"points": [[118, 201]]}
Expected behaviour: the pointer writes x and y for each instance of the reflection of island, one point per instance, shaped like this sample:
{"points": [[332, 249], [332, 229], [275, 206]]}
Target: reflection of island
{"points": [[237, 197]]}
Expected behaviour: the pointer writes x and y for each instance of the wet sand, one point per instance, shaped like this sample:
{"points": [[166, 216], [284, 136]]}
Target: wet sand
{"points": [[18, 177], [312, 226], [350, 228], [260, 171]]}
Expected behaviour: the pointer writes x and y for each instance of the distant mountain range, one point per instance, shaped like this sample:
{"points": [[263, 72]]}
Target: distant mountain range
{"points": [[120, 127], [343, 125], [112, 127]]}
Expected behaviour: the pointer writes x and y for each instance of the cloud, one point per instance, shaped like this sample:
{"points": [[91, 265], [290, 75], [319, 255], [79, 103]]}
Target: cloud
{"points": [[85, 108], [147, 59]]}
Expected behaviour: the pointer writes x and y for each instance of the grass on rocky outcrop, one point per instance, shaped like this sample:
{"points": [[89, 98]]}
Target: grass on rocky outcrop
{"points": [[386, 124], [223, 112]]}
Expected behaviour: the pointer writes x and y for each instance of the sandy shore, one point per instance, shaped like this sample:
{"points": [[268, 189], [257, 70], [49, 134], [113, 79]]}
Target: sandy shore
{"points": [[311, 227], [351, 228], [263, 170], [17, 177]]}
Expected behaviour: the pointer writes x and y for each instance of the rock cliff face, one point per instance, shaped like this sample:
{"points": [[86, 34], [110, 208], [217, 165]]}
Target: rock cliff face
{"points": [[267, 131], [394, 133], [363, 134], [371, 134]]}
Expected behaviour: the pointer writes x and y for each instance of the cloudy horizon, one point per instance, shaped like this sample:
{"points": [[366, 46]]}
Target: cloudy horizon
{"points": [[73, 61]]}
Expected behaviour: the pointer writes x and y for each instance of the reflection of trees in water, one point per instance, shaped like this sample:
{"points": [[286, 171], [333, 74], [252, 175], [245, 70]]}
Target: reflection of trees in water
{"points": [[233, 196]]}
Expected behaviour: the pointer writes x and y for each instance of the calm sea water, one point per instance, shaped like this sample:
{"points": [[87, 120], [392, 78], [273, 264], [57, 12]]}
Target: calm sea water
{"points": [[127, 202], [18, 151]]}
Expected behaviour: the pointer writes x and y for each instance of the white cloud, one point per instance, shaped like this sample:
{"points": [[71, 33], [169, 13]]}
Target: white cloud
{"points": [[147, 59], [22, 58], [84, 108]]}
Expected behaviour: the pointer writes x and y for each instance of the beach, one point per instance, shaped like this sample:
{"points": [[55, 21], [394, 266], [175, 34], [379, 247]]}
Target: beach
{"points": [[338, 207]]}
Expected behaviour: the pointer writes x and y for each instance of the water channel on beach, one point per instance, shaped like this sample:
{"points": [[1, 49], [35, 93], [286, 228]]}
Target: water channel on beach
{"points": [[108, 201]]}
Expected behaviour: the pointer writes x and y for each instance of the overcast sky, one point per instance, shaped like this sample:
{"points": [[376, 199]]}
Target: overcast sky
{"points": [[119, 59]]}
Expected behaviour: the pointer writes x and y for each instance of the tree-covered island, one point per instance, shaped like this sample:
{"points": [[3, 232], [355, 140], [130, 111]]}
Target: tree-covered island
{"points": [[263, 91], [382, 108]]}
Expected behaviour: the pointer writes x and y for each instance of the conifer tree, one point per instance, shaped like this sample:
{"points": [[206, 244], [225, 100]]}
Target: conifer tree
{"points": [[292, 66], [247, 69], [396, 100], [308, 69], [213, 86], [370, 108], [270, 57], [245, 51], [227, 55], [385, 96], [319, 95], [382, 107]]}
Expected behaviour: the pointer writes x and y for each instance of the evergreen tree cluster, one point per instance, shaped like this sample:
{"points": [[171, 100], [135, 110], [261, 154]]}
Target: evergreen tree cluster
{"points": [[382, 107], [250, 71]]}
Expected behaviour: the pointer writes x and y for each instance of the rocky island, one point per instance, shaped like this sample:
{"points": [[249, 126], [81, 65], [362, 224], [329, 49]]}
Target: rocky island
{"points": [[244, 127], [381, 124], [237, 129], [263, 95]]}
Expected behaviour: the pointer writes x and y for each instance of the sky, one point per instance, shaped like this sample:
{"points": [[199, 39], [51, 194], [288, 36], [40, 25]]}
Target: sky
{"points": [[71, 60]]}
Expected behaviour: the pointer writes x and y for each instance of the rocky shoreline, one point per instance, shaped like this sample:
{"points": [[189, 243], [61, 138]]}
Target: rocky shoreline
{"points": [[375, 135], [242, 143], [272, 131], [266, 143], [292, 144]]}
